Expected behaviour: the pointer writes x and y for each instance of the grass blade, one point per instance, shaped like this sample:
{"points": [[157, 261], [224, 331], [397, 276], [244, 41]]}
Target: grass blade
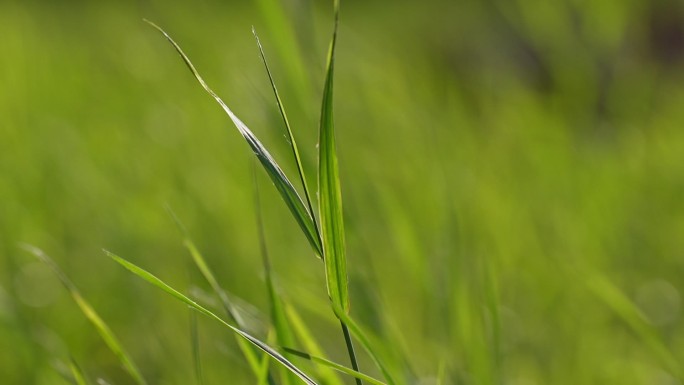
{"points": [[329, 376], [336, 366], [287, 191], [231, 310], [201, 263], [293, 142], [105, 332], [79, 377], [365, 342], [282, 30], [284, 334], [147, 276], [330, 199]]}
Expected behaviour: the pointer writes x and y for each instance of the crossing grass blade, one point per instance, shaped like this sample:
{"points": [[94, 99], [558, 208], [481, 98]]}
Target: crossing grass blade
{"points": [[147, 276], [334, 365], [304, 335], [365, 342], [287, 191], [201, 263], [284, 334], [229, 307], [105, 332], [293, 142]]}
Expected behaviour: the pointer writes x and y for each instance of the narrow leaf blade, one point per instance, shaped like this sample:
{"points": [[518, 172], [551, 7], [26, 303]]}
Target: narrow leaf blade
{"points": [[304, 335], [336, 366], [105, 332], [330, 199], [365, 342], [76, 371], [149, 277], [284, 334], [251, 356], [293, 142], [287, 191]]}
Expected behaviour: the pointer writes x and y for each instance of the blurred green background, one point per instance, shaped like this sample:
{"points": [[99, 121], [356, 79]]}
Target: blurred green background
{"points": [[512, 174]]}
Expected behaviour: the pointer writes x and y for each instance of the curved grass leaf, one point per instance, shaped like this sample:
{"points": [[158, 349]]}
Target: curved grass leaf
{"points": [[336, 366], [287, 191], [105, 332], [293, 142], [147, 276]]}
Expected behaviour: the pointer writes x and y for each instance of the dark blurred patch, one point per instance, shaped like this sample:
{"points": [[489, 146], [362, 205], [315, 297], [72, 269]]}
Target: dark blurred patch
{"points": [[665, 32]]}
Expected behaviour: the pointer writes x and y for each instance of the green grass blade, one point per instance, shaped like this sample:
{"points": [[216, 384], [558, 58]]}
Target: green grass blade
{"points": [[304, 335], [282, 29], [287, 191], [79, 377], [293, 142], [147, 276], [105, 332], [284, 334], [264, 376], [365, 342], [231, 310], [336, 366], [330, 199], [330, 196]]}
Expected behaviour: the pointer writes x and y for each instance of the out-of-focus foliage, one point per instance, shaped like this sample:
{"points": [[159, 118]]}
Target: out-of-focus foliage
{"points": [[512, 174]]}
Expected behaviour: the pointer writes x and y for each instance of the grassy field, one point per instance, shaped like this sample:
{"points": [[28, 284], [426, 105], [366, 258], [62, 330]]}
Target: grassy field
{"points": [[512, 176]]}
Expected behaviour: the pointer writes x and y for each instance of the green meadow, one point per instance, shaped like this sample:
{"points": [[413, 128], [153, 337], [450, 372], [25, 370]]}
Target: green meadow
{"points": [[492, 192]]}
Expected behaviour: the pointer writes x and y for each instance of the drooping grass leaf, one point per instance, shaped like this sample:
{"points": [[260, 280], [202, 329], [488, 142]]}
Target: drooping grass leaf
{"points": [[147, 276], [365, 342], [229, 307], [287, 191], [105, 332], [293, 142], [334, 365]]}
